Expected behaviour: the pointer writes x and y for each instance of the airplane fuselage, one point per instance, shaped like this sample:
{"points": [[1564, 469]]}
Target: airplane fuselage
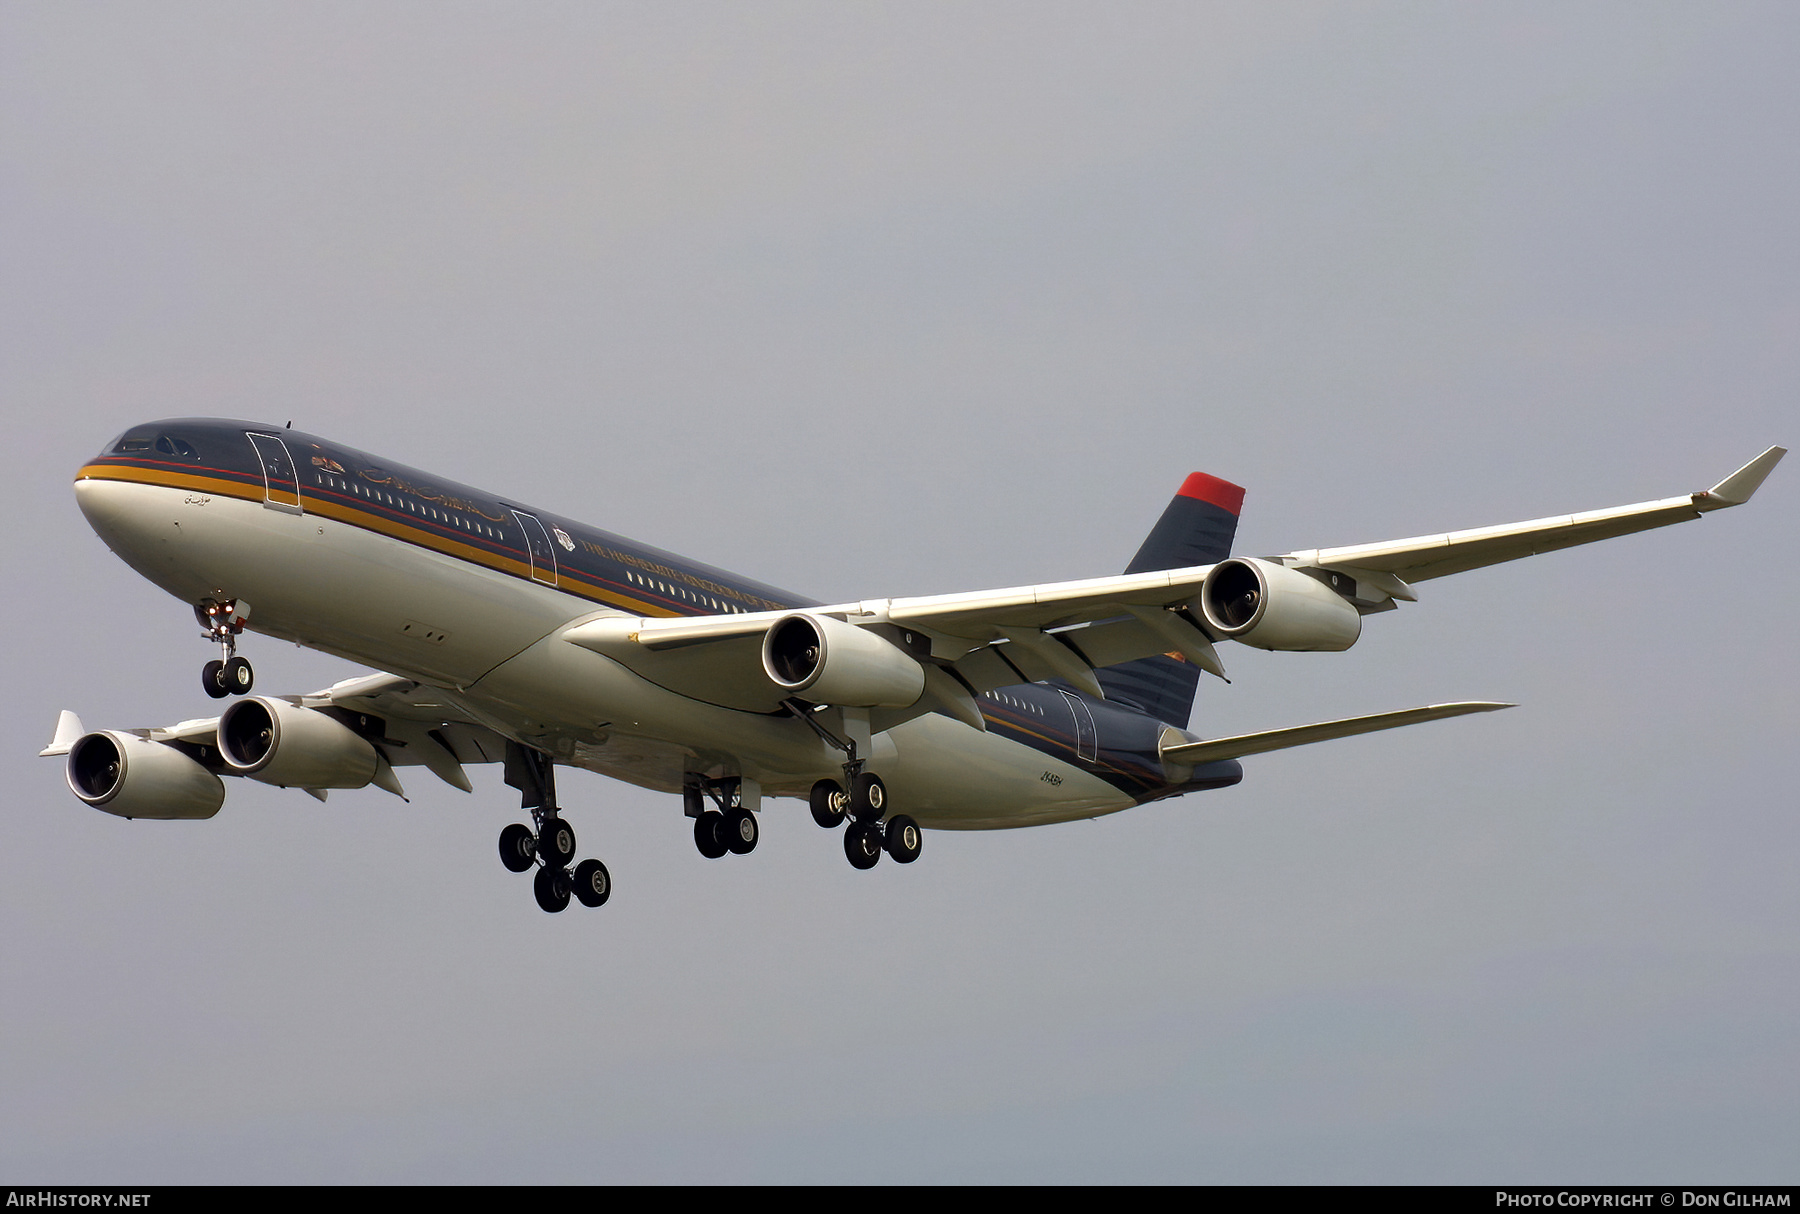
{"points": [[471, 593]]}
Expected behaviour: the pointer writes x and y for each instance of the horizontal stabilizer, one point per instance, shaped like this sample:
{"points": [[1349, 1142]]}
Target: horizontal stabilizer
{"points": [[1301, 735]]}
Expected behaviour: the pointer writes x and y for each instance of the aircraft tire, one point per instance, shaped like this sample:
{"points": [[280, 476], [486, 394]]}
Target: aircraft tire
{"points": [[557, 843], [828, 801], [707, 835], [868, 797], [903, 839], [238, 678], [552, 888], [739, 831], [518, 850], [862, 844], [593, 884]]}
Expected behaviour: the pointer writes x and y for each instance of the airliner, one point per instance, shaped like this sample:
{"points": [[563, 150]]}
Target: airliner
{"points": [[509, 634]]}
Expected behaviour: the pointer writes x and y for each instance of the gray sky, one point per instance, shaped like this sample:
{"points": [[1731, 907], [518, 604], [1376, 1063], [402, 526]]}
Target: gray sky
{"points": [[871, 300]]}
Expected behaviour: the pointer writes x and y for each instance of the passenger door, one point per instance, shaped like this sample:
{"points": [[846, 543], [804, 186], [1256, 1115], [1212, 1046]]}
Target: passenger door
{"points": [[537, 544], [1087, 747], [281, 481]]}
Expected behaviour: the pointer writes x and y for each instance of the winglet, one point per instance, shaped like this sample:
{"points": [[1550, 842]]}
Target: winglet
{"points": [[1737, 488], [68, 731]]}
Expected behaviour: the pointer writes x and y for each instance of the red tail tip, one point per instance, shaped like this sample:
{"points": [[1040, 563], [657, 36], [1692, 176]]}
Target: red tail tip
{"points": [[1215, 492]]}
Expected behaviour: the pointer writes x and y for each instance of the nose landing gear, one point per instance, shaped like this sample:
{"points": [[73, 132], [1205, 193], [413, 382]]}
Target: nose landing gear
{"points": [[229, 674]]}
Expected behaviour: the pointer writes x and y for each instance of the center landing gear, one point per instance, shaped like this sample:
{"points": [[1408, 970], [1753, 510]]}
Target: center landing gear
{"points": [[731, 827], [552, 845], [228, 674]]}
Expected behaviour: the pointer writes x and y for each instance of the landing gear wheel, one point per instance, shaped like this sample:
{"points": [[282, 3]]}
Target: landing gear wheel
{"points": [[593, 884], [237, 678], [868, 797], [862, 844], [708, 836], [902, 839], [828, 804], [552, 888], [557, 844], [739, 831], [212, 679], [518, 850]]}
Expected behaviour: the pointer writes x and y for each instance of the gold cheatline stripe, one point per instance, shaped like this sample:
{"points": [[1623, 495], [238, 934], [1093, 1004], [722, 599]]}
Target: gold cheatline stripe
{"points": [[369, 521], [175, 480]]}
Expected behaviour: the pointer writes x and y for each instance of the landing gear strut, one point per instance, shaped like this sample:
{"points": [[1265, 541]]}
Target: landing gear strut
{"points": [[552, 845], [223, 621]]}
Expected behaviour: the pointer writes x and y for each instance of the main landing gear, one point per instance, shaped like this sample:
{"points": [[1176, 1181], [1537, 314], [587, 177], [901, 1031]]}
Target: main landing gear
{"points": [[868, 835], [865, 804], [552, 845], [228, 674], [730, 827]]}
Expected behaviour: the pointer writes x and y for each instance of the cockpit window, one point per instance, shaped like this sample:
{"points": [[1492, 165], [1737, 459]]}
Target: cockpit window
{"points": [[142, 442]]}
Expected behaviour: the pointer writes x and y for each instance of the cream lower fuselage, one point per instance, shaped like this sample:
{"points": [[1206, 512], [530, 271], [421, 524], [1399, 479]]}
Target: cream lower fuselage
{"points": [[494, 644]]}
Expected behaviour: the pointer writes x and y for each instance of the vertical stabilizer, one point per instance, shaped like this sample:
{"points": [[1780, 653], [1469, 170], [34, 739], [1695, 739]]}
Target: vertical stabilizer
{"points": [[1197, 529]]}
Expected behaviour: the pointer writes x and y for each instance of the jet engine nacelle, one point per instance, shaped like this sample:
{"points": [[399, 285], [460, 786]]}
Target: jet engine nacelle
{"points": [[1271, 606], [275, 742], [838, 663], [134, 777]]}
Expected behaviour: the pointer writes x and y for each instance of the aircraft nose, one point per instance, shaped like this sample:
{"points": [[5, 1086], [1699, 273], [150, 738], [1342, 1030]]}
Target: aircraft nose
{"points": [[107, 506], [136, 521]]}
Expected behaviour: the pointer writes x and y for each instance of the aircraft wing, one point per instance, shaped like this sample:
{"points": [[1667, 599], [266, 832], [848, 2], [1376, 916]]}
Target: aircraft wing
{"points": [[974, 642], [421, 726], [1429, 556]]}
